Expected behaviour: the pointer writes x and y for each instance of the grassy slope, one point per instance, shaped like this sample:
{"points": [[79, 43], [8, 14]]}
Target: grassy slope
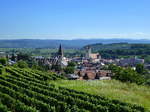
{"points": [[113, 89]]}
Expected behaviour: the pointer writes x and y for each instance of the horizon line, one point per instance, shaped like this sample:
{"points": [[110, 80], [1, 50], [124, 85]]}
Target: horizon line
{"points": [[80, 39]]}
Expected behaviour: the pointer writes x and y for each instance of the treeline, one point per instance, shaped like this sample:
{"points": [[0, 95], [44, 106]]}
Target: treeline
{"points": [[139, 76], [124, 52], [119, 50]]}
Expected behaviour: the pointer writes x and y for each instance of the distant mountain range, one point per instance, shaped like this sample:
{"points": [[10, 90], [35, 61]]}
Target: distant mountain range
{"points": [[78, 43]]}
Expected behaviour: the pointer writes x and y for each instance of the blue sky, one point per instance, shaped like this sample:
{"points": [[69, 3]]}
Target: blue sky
{"points": [[71, 19]]}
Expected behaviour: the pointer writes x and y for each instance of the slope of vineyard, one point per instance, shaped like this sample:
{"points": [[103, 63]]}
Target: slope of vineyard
{"points": [[112, 89], [26, 90]]}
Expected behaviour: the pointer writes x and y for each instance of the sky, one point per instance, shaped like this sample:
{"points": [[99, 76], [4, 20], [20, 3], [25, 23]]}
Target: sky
{"points": [[74, 19]]}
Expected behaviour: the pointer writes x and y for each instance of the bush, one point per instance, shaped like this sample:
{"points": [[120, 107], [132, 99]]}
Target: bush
{"points": [[126, 75], [69, 70], [148, 82], [22, 64], [71, 64], [2, 69], [3, 108], [140, 68], [3, 61]]}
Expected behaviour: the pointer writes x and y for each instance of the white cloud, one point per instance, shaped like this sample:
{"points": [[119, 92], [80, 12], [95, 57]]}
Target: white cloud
{"points": [[136, 35]]}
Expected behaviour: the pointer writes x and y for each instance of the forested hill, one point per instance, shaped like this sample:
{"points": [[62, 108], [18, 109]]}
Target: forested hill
{"points": [[78, 43], [123, 50], [121, 46]]}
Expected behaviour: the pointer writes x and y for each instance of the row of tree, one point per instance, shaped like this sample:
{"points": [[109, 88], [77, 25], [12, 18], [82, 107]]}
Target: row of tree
{"points": [[138, 76]]}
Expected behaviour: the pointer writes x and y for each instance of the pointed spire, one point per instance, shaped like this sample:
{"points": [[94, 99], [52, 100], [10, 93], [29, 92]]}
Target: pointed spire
{"points": [[60, 51]]}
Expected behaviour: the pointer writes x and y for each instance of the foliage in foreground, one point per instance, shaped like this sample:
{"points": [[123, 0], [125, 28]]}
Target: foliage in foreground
{"points": [[113, 89], [24, 90], [126, 74]]}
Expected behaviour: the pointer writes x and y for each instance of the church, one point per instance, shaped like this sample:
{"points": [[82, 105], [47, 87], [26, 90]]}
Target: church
{"points": [[57, 60], [60, 59], [94, 57]]}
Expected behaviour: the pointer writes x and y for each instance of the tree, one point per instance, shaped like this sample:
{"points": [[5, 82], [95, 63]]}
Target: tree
{"points": [[13, 58], [140, 68], [22, 64], [69, 70], [126, 74], [56, 67], [3, 61], [71, 64], [2, 69], [23, 56], [148, 82], [35, 66]]}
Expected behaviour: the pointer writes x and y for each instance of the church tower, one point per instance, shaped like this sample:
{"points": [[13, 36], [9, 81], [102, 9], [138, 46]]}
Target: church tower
{"points": [[60, 56], [59, 60], [60, 52], [88, 52]]}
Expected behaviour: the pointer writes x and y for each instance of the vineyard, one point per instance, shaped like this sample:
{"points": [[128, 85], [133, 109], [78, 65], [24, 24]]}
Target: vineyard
{"points": [[26, 90]]}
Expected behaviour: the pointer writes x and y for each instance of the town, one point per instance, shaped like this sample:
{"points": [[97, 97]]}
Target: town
{"points": [[91, 66], [74, 56]]}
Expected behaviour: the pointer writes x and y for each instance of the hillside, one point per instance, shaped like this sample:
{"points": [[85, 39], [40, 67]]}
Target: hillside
{"points": [[77, 43], [122, 46], [113, 89], [26, 90], [122, 50]]}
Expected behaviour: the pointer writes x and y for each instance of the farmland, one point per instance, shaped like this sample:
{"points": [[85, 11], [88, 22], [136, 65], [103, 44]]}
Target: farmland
{"points": [[26, 90], [112, 89]]}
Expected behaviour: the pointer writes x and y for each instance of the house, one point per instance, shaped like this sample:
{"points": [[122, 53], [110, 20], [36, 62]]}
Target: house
{"points": [[130, 62], [94, 74], [72, 76], [103, 73], [2, 54], [89, 75]]}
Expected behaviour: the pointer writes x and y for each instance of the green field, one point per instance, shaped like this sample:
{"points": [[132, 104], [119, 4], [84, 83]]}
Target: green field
{"points": [[26, 90], [113, 89]]}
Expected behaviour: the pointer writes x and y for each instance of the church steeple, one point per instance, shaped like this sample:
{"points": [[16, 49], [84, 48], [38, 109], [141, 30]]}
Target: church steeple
{"points": [[60, 51]]}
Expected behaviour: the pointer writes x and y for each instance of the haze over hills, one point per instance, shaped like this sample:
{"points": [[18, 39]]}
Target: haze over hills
{"points": [[77, 43]]}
